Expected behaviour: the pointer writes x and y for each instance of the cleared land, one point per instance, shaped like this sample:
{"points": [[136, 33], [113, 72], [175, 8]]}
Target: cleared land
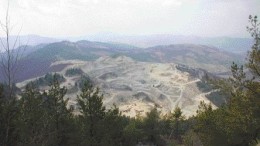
{"points": [[136, 87]]}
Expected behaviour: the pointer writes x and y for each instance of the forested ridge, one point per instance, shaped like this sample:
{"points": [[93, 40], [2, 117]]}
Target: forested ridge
{"points": [[35, 117]]}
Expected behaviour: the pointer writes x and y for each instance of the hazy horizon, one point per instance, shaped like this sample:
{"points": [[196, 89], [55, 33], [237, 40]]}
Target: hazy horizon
{"points": [[104, 34], [75, 18]]}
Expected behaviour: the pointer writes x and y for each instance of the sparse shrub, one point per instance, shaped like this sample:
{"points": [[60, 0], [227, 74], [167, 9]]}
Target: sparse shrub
{"points": [[48, 79], [74, 72]]}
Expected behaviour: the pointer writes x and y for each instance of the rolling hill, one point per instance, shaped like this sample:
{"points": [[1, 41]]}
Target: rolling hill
{"points": [[229, 44], [38, 59]]}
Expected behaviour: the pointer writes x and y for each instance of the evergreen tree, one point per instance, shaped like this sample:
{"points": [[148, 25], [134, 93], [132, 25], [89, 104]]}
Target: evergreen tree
{"points": [[151, 126], [133, 132], [57, 112], [113, 125], [92, 115], [176, 118], [238, 122], [207, 126], [32, 118], [8, 119]]}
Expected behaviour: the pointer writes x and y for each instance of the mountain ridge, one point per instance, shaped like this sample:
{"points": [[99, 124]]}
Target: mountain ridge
{"points": [[38, 61], [230, 44]]}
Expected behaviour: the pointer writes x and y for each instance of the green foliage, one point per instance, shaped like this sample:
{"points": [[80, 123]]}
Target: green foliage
{"points": [[237, 122], [190, 138], [215, 96], [83, 79], [8, 119], [113, 126], [48, 79], [151, 127], [207, 127], [43, 118], [73, 72], [32, 118], [92, 114], [173, 126], [203, 86], [176, 119], [57, 112], [133, 133], [98, 125]]}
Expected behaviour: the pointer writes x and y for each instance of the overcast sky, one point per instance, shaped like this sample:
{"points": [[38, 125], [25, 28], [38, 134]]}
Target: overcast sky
{"points": [[83, 17]]}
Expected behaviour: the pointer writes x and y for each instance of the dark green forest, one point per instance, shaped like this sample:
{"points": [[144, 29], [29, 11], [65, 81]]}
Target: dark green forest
{"points": [[43, 118]]}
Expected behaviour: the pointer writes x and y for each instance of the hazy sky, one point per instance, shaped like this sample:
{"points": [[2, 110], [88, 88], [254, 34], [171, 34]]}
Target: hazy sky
{"points": [[82, 17]]}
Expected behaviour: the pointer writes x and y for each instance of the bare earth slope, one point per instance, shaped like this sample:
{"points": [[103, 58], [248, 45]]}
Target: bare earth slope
{"points": [[136, 87]]}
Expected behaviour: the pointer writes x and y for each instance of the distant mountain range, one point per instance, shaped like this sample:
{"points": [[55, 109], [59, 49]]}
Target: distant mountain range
{"points": [[39, 59], [229, 44], [30, 40]]}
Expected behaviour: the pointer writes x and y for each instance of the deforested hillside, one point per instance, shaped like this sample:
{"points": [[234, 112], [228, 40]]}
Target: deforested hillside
{"points": [[137, 87]]}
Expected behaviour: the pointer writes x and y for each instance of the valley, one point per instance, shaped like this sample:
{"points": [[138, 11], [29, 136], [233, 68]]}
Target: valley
{"points": [[129, 73], [136, 87]]}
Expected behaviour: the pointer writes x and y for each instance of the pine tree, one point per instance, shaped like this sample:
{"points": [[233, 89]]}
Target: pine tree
{"points": [[8, 119], [176, 118], [92, 114], [113, 125], [57, 112], [238, 122], [151, 126], [32, 118], [133, 132]]}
